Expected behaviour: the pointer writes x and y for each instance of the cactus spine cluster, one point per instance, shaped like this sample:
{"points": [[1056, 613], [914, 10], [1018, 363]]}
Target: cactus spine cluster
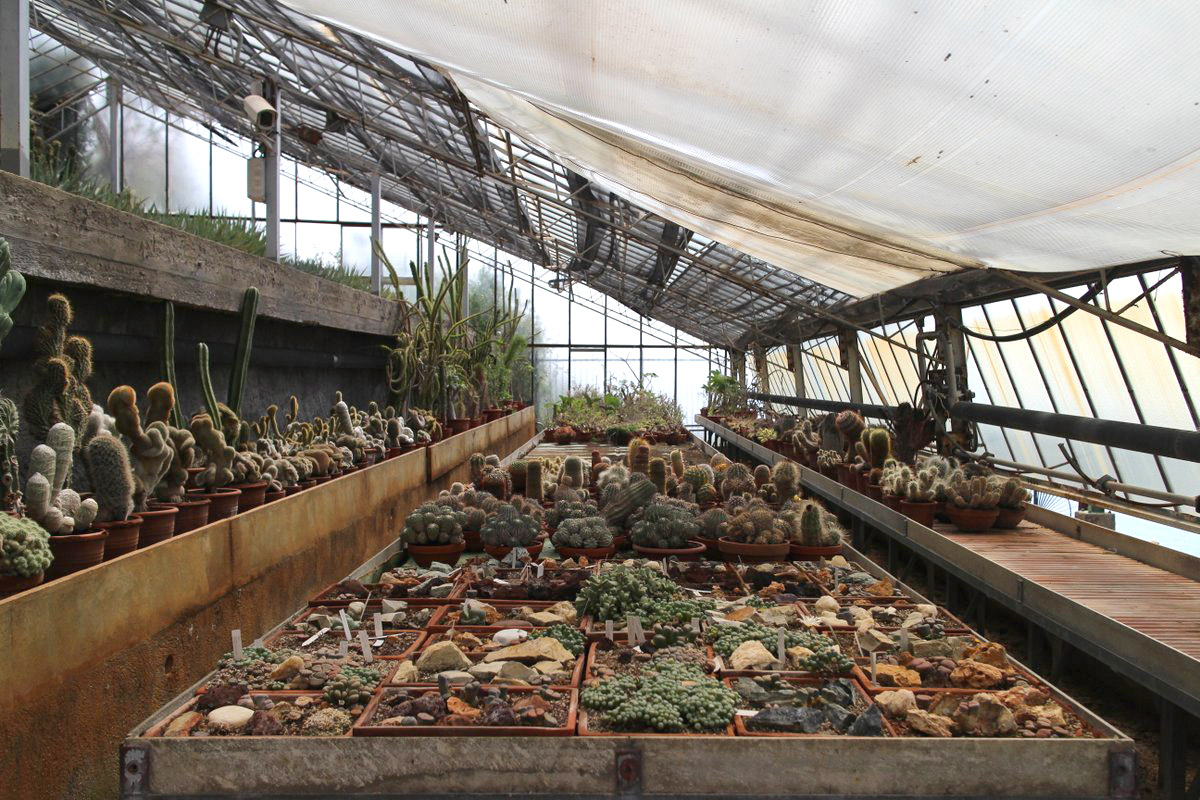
{"points": [[63, 366], [658, 474], [48, 501], [737, 480], [509, 528], [627, 499], [677, 465]]}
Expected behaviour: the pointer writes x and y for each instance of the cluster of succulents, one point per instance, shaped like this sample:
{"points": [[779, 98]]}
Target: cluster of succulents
{"points": [[1012, 493], [713, 524], [977, 493], [583, 533], [726, 638], [758, 525], [619, 591], [352, 686], [678, 611], [433, 524], [24, 547], [508, 527], [811, 525], [827, 662], [570, 509], [568, 636], [828, 458], [668, 697], [664, 525]]}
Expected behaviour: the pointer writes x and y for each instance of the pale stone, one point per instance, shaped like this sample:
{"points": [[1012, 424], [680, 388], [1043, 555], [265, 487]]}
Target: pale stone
{"points": [[229, 718], [796, 655], [970, 674], [441, 590], [826, 604], [549, 667], [392, 606], [751, 655], [510, 636], [927, 610], [407, 672], [894, 675], [457, 677], [544, 619], [441, 656], [485, 673], [356, 609], [546, 648], [934, 648], [930, 724], [896, 703], [515, 670], [288, 668], [873, 640], [984, 715], [566, 610], [839, 561]]}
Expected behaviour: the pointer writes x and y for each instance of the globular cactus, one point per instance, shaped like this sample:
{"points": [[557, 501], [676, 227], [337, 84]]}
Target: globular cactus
{"points": [[757, 526], [677, 465], [658, 475], [737, 480], [218, 470], [828, 458], [973, 493], [583, 532], [707, 494], [477, 464], [509, 528], [63, 365], [433, 524], [628, 499], [534, 488], [786, 477], [573, 473], [665, 526], [713, 524], [497, 482], [492, 460], [526, 506], [769, 493], [639, 461], [762, 474], [718, 459], [616, 475], [111, 478], [698, 475], [24, 546], [569, 509], [1012, 493], [850, 425]]}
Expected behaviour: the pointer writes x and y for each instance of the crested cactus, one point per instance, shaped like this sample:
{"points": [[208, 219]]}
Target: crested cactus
{"points": [[24, 546], [664, 526], [762, 474], [677, 465], [218, 469], [583, 532], [63, 366], [111, 478], [431, 524], [736, 480], [149, 448], [573, 473], [628, 499], [508, 527], [658, 475]]}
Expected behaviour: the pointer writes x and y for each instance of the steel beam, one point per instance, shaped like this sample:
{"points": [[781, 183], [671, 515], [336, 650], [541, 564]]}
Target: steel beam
{"points": [[274, 152], [116, 139], [376, 235], [14, 86]]}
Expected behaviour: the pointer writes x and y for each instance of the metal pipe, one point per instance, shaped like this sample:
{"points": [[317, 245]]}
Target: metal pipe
{"points": [[1170, 442], [274, 153], [376, 236], [866, 409], [1110, 486]]}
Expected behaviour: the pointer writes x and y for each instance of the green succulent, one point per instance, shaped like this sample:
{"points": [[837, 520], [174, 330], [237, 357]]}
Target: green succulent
{"points": [[568, 636], [565, 509], [24, 547], [351, 687], [508, 527], [431, 523], [664, 525], [585, 532], [621, 591], [668, 697], [726, 638]]}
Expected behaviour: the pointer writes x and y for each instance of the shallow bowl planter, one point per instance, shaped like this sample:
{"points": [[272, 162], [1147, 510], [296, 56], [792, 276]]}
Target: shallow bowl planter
{"points": [[13, 584], [692, 552], [802, 553], [734, 550], [193, 513], [712, 547], [76, 551], [158, 524], [921, 513], [500, 553], [122, 536], [252, 495], [1009, 518], [426, 554], [972, 520], [590, 553], [223, 503]]}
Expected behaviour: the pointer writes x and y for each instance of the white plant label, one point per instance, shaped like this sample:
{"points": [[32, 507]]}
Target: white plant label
{"points": [[781, 647], [345, 623], [630, 633], [746, 712], [608, 629], [343, 647], [378, 625], [874, 659], [541, 569], [696, 624], [237, 645], [365, 644], [315, 636]]}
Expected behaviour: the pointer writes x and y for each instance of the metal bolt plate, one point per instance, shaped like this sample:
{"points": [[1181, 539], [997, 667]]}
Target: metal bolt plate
{"points": [[629, 772]]}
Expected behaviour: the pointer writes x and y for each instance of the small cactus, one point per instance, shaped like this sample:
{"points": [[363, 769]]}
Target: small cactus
{"points": [[975, 493], [534, 488], [508, 527], [762, 474], [573, 473], [677, 465], [786, 477], [497, 482], [658, 475], [664, 526], [477, 465], [640, 458], [737, 480]]}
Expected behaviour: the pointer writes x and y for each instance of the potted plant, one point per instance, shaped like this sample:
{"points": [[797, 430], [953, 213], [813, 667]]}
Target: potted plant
{"points": [[767, 437], [919, 497], [218, 469], [59, 510], [111, 478], [508, 528], [724, 395], [584, 537], [24, 554], [150, 453], [755, 535], [434, 533], [667, 530], [1011, 504], [171, 492], [815, 533], [972, 504]]}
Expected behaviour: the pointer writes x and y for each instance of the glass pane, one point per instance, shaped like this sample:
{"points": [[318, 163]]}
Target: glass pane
{"points": [[188, 167]]}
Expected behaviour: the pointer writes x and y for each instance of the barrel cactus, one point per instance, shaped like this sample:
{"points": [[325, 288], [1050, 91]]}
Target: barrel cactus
{"points": [[564, 510], [786, 477], [737, 479], [24, 547], [757, 526], [431, 524], [698, 475], [510, 528], [666, 526], [639, 457], [583, 532], [707, 494], [762, 474]]}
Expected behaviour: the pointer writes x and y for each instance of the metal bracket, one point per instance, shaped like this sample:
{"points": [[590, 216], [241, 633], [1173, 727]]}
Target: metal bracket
{"points": [[1021, 591], [1122, 774], [135, 770], [629, 771]]}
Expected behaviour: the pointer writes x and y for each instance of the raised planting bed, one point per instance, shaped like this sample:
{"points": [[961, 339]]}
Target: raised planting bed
{"points": [[393, 644], [400, 582], [499, 583], [1024, 712], [471, 710], [500, 614], [966, 668], [316, 669], [258, 714], [668, 694], [923, 620], [773, 706], [393, 614]]}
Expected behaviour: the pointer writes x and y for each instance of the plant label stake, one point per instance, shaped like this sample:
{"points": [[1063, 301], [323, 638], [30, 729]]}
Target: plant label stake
{"points": [[541, 569], [696, 624], [315, 636], [874, 676], [905, 644], [378, 625], [343, 647], [237, 645], [345, 623], [511, 558], [368, 656], [630, 635], [781, 647], [608, 629]]}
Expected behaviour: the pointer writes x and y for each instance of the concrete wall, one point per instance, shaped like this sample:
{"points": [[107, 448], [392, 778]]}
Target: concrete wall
{"points": [[89, 656]]}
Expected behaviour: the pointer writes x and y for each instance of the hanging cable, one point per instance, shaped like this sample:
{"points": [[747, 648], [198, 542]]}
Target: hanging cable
{"points": [[1036, 329]]}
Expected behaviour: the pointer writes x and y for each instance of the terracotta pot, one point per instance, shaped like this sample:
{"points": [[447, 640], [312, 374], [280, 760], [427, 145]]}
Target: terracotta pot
{"points": [[621, 541], [14, 584], [223, 503], [193, 513], [1009, 518], [122, 536], [308, 484], [939, 513], [158, 524], [319, 479], [500, 553], [892, 501], [802, 553], [875, 492], [692, 552], [921, 513], [192, 472], [972, 520], [712, 548], [472, 540], [476, 421], [829, 471], [273, 496], [392, 452], [252, 495], [590, 553], [751, 553], [426, 554], [456, 426], [492, 414], [293, 489], [76, 551]]}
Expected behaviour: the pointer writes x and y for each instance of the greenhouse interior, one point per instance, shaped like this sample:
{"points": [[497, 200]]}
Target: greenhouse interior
{"points": [[633, 399]]}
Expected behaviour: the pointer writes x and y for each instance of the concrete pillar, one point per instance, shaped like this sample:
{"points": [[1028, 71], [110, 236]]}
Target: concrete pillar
{"points": [[796, 364], [14, 86], [376, 235], [850, 361], [274, 153], [116, 167]]}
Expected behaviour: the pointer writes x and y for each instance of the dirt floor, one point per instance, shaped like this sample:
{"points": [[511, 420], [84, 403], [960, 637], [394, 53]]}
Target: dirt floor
{"points": [[1120, 702]]}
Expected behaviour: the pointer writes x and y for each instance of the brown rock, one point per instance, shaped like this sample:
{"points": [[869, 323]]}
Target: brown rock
{"points": [[930, 724], [970, 674], [458, 706], [288, 668], [984, 715], [895, 675], [183, 724]]}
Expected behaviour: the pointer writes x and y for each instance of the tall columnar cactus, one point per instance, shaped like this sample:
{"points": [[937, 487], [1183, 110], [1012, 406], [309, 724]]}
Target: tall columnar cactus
{"points": [[62, 367], [10, 428], [241, 358], [737, 480], [517, 470], [762, 474], [206, 387], [640, 459], [168, 360], [658, 475], [631, 453], [876, 450], [47, 500], [218, 469], [637, 494], [534, 489], [111, 478], [12, 289], [786, 477], [573, 472], [677, 465], [149, 448]]}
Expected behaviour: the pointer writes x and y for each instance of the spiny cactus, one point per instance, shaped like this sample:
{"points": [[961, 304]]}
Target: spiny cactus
{"points": [[583, 532], [477, 464], [516, 471], [677, 465], [769, 493], [564, 510], [664, 526], [149, 448], [534, 487], [615, 475], [10, 428], [757, 526], [637, 494], [762, 474], [509, 528], [1012, 494], [497, 482], [48, 502], [850, 425], [786, 477], [24, 546], [573, 474], [877, 447], [241, 359], [707, 494], [828, 458], [107, 464], [632, 457], [921, 487], [975, 493], [658, 474], [818, 528], [737, 480], [718, 459], [713, 524], [62, 367], [432, 524], [218, 470], [698, 475]]}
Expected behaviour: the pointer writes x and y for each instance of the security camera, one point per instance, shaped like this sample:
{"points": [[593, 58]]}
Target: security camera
{"points": [[260, 112]]}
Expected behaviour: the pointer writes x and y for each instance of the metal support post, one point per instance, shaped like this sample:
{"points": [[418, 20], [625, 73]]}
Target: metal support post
{"points": [[796, 365], [274, 151], [14, 86], [850, 361], [116, 141], [376, 235]]}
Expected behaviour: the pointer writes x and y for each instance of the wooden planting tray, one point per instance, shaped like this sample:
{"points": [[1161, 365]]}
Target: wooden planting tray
{"points": [[739, 721], [363, 727]]}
